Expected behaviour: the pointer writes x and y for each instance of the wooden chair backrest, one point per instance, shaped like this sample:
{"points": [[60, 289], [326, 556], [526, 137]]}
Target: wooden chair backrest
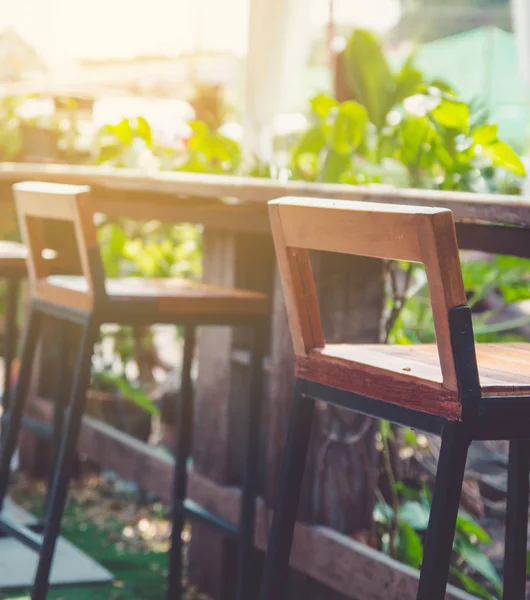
{"points": [[37, 205], [386, 231]]}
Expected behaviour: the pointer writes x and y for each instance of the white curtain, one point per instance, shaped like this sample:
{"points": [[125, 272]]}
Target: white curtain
{"points": [[278, 42]]}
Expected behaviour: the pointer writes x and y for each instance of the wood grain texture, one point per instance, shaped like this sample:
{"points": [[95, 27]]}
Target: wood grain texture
{"points": [[385, 231], [330, 367], [366, 229], [492, 208], [209, 552], [299, 289], [173, 296], [40, 202], [439, 254], [410, 375]]}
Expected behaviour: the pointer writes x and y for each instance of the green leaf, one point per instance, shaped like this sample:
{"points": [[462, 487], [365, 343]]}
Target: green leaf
{"points": [[452, 113], [199, 127], [135, 395], [312, 142], [426, 493], [409, 435], [335, 165], [415, 137], [485, 134], [414, 514], [468, 526], [322, 104], [408, 80], [479, 562], [409, 546], [470, 585], [223, 148], [308, 164], [502, 155], [369, 75], [385, 429], [122, 131], [349, 127], [143, 130]]}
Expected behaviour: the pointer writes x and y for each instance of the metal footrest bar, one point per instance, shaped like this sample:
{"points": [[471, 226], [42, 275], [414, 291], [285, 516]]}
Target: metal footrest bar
{"points": [[372, 407], [22, 533], [193, 510], [42, 430]]}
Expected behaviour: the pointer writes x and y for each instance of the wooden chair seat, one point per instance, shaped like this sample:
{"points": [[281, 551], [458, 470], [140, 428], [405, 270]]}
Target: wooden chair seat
{"points": [[410, 375], [12, 256], [171, 295]]}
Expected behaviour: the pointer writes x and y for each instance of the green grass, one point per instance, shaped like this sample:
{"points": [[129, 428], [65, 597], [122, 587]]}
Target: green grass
{"points": [[140, 573]]}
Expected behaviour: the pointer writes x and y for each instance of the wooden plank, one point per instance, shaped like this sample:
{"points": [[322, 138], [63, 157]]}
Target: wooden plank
{"points": [[399, 388], [210, 554], [340, 562], [494, 239], [493, 208], [343, 564], [439, 252], [385, 231], [298, 287], [362, 228]]}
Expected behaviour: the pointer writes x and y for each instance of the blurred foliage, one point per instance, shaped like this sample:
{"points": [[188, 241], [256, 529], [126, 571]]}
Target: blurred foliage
{"points": [[401, 130], [10, 128], [209, 105], [123, 144], [208, 151], [402, 529]]}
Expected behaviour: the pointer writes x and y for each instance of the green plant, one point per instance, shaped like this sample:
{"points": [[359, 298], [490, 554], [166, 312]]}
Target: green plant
{"points": [[399, 129], [208, 151], [506, 276], [10, 123], [120, 144], [402, 526], [372, 81]]}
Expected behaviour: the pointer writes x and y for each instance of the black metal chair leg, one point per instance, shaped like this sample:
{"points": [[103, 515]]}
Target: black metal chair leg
{"points": [[12, 420], [60, 398], [444, 512], [246, 562], [285, 506], [61, 475], [10, 335], [516, 521], [182, 452]]}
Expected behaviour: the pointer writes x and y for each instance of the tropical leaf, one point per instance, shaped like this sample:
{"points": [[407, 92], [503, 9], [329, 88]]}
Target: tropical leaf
{"points": [[369, 75]]}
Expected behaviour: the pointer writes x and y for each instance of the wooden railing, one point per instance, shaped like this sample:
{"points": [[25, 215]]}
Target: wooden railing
{"points": [[237, 250]]}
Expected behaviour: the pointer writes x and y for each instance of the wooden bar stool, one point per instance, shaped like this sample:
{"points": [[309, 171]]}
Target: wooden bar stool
{"points": [[12, 270], [89, 301], [441, 389]]}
